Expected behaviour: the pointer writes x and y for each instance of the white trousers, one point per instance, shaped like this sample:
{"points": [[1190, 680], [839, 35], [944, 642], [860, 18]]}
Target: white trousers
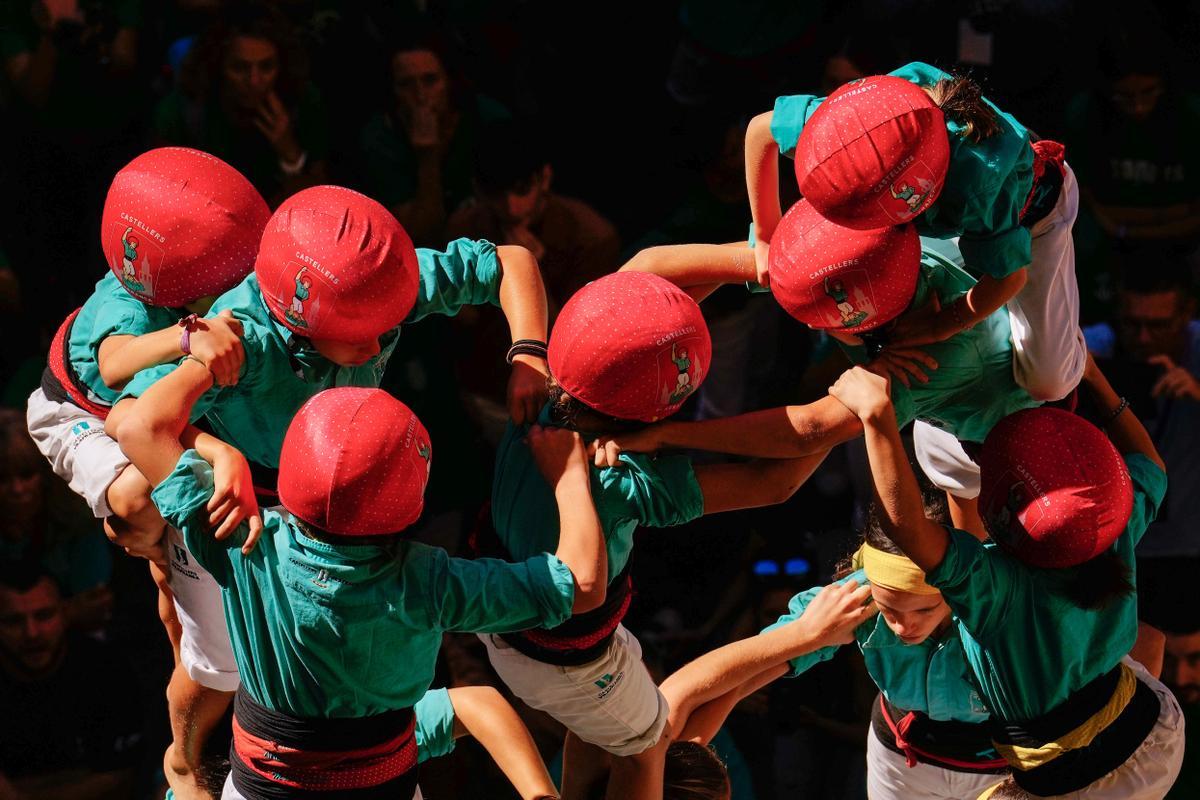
{"points": [[78, 449], [204, 649], [611, 702], [1049, 354], [890, 778]]}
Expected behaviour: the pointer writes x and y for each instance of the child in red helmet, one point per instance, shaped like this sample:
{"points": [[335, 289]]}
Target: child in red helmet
{"points": [[1046, 611], [335, 276], [336, 619], [617, 354], [924, 146], [179, 228]]}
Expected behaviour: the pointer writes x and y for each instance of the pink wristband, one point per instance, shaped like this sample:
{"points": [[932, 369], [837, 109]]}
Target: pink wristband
{"points": [[188, 324]]}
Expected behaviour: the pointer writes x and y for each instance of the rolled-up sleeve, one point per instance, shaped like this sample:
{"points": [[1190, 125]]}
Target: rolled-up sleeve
{"points": [[488, 595], [466, 273]]}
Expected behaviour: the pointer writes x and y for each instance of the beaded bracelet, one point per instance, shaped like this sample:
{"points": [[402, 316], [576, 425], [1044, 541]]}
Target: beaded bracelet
{"points": [[1124, 404], [526, 347]]}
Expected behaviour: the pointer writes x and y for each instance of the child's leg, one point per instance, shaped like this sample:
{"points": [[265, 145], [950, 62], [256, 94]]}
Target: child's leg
{"points": [[137, 527], [611, 702], [206, 676], [639, 776], [166, 607], [194, 710], [584, 767], [1049, 353]]}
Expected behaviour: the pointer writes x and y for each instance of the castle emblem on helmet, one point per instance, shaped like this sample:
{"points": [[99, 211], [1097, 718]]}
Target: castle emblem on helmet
{"points": [[851, 316]]}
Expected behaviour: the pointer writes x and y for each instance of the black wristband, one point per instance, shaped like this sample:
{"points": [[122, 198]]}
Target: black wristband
{"points": [[526, 347]]}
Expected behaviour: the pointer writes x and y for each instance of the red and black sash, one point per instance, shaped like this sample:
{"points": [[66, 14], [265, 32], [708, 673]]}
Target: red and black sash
{"points": [[1049, 172], [59, 381], [274, 755], [582, 638], [949, 744]]}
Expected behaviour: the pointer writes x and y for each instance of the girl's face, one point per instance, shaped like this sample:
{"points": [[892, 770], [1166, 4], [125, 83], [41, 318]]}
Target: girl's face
{"points": [[912, 617]]}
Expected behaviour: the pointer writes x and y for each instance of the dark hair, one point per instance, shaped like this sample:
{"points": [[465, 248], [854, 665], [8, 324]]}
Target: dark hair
{"points": [[1095, 583], [21, 576], [509, 156], [937, 508], [694, 772], [200, 74], [574, 414], [961, 100]]}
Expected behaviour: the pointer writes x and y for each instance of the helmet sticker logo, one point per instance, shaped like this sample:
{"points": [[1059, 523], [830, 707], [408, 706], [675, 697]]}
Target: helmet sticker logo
{"points": [[679, 374], [301, 312], [1013, 514], [140, 256], [852, 296], [424, 452], [908, 193]]}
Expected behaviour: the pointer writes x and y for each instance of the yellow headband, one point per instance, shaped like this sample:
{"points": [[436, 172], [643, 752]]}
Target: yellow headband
{"points": [[891, 571]]}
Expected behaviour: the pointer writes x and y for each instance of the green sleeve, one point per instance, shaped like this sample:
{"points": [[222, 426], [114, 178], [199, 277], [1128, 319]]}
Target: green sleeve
{"points": [[796, 607], [487, 595], [920, 73], [1001, 253], [434, 725], [1149, 489], [181, 499], [659, 492], [979, 583], [789, 118], [466, 273]]}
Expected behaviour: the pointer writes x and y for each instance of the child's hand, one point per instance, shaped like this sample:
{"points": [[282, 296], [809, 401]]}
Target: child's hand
{"points": [[526, 388], [762, 251], [233, 501], [607, 452], [558, 452], [904, 365], [217, 341], [832, 616], [865, 393]]}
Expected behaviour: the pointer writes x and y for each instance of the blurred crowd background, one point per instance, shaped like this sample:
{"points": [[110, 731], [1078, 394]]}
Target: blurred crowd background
{"points": [[585, 133]]}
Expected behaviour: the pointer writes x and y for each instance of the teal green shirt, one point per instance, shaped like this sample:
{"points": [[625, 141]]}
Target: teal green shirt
{"points": [[651, 491], [323, 630], [987, 182], [281, 373], [973, 387], [1028, 646], [435, 725], [932, 677], [110, 311]]}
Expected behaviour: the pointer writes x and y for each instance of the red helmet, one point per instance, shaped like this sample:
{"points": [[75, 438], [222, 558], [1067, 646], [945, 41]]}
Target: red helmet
{"points": [[875, 153], [180, 225], [630, 345], [335, 264], [830, 277], [355, 463], [1053, 489]]}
